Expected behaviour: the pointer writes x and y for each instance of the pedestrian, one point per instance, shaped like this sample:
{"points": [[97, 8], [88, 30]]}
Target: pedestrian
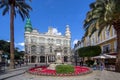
{"points": [[95, 65], [20, 63], [98, 64], [8, 62], [35, 65], [16, 63], [101, 65]]}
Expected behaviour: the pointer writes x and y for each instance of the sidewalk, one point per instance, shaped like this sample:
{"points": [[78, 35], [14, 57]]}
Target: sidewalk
{"points": [[14, 72]]}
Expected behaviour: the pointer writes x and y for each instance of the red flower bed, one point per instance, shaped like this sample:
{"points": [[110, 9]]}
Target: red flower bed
{"points": [[42, 70]]}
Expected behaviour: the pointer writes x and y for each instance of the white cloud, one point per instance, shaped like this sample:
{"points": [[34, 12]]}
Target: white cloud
{"points": [[8, 40], [20, 44], [55, 31], [75, 41]]}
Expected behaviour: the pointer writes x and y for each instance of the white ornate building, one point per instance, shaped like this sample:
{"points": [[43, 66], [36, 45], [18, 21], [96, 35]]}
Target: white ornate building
{"points": [[46, 47]]}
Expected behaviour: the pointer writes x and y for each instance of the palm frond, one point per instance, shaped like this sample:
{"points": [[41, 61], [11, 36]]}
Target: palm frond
{"points": [[21, 14], [23, 9], [5, 10], [92, 5], [88, 23], [100, 30], [93, 30], [2, 5]]}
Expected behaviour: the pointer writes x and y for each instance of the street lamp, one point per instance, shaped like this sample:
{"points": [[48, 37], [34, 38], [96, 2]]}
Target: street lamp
{"points": [[75, 56]]}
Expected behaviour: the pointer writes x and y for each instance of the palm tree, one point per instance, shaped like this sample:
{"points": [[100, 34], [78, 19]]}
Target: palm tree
{"points": [[15, 7], [104, 13]]}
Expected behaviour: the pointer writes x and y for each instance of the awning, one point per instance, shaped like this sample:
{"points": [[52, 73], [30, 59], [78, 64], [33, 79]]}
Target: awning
{"points": [[109, 56], [104, 56]]}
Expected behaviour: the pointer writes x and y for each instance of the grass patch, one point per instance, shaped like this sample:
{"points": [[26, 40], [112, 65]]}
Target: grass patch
{"points": [[64, 69]]}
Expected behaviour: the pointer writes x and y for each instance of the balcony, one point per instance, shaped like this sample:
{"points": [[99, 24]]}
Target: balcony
{"points": [[110, 51], [99, 42]]}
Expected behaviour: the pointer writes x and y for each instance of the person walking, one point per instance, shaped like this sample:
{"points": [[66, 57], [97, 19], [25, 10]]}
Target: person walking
{"points": [[102, 65], [95, 65]]}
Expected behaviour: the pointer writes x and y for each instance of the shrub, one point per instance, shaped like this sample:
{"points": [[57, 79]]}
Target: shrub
{"points": [[61, 69]]}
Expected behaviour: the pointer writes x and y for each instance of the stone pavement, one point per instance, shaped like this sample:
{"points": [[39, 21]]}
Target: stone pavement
{"points": [[109, 75], [14, 72], [21, 74]]}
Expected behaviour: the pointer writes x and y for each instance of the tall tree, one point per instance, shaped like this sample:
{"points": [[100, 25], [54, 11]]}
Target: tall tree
{"points": [[15, 7], [104, 13]]}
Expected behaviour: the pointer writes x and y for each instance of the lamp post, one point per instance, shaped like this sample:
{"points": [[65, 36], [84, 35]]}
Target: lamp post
{"points": [[75, 56], [5, 56]]}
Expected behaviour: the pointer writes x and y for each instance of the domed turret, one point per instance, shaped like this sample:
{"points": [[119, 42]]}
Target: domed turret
{"points": [[28, 26]]}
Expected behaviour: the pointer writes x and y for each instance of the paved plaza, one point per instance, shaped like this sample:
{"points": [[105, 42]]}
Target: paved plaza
{"points": [[21, 74]]}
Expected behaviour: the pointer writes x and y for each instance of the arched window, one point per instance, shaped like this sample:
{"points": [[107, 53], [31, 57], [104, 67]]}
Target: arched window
{"points": [[50, 49], [33, 49]]}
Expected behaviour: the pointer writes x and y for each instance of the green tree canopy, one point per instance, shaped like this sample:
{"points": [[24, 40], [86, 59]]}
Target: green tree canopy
{"points": [[5, 46], [89, 51]]}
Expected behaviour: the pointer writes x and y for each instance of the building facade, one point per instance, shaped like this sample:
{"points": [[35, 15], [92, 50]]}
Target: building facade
{"points": [[107, 40], [46, 47]]}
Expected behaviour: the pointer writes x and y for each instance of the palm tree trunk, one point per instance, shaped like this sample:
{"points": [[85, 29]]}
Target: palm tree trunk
{"points": [[117, 67], [12, 66]]}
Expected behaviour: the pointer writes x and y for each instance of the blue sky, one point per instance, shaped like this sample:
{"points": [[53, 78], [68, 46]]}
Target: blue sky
{"points": [[45, 13]]}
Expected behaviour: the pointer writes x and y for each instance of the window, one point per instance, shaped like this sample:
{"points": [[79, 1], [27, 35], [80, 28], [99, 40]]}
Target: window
{"points": [[50, 49], [107, 33], [114, 33], [51, 58], [26, 49], [65, 42], [65, 59], [33, 49], [27, 39], [98, 39], [42, 49], [33, 40], [41, 40], [65, 50], [115, 46], [106, 48], [50, 41], [58, 41]]}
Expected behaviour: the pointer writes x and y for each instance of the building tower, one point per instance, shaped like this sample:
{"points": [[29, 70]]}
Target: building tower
{"points": [[67, 32], [28, 26]]}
